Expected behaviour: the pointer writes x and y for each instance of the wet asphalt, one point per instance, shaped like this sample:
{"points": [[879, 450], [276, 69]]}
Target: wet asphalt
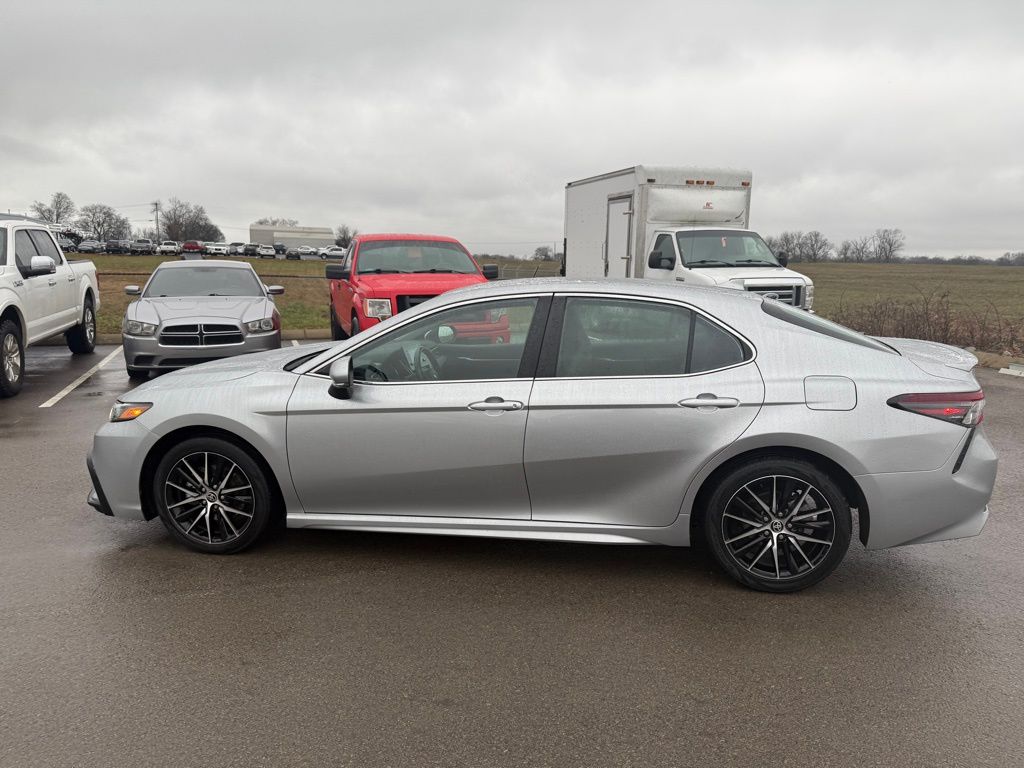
{"points": [[120, 648]]}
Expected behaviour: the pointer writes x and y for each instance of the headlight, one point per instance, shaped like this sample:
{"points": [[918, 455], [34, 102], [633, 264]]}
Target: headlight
{"points": [[135, 328], [809, 296], [379, 308], [266, 324], [128, 411]]}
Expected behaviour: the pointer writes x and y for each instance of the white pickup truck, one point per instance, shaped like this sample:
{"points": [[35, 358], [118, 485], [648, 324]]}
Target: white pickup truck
{"points": [[42, 294]]}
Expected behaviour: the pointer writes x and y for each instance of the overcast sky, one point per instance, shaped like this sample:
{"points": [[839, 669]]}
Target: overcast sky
{"points": [[468, 118]]}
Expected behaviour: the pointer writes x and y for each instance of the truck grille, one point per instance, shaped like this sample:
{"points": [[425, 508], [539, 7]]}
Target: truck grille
{"points": [[205, 335], [787, 294], [407, 302]]}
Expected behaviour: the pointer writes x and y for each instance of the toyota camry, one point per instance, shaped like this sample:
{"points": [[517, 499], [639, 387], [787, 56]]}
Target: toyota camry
{"points": [[620, 412]]}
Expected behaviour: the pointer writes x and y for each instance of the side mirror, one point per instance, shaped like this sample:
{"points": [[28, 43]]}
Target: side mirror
{"points": [[490, 271], [660, 261], [132, 290], [782, 257], [275, 290], [42, 265], [337, 272], [341, 378]]}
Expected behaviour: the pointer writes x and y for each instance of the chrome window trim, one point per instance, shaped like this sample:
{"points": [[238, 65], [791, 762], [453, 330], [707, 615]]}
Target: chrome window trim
{"points": [[329, 355], [658, 300]]}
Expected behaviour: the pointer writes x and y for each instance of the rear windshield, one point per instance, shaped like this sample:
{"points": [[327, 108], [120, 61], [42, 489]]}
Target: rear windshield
{"points": [[413, 256], [203, 281], [820, 325]]}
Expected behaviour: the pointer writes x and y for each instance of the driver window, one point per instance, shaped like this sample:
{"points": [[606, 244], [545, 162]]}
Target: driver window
{"points": [[24, 250], [478, 341], [45, 245]]}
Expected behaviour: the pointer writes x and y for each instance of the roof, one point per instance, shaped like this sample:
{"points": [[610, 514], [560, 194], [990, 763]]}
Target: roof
{"points": [[396, 236], [183, 263]]}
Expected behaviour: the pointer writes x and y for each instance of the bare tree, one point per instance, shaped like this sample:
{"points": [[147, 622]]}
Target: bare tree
{"points": [[61, 210], [103, 222], [344, 235], [182, 220], [543, 253], [273, 221], [814, 246], [888, 244], [858, 250], [790, 243]]}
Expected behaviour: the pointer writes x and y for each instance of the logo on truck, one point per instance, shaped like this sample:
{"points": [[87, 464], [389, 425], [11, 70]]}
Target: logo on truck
{"points": [[708, 206]]}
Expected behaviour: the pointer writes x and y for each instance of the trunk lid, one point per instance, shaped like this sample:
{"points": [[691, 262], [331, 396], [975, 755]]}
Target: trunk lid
{"points": [[942, 360]]}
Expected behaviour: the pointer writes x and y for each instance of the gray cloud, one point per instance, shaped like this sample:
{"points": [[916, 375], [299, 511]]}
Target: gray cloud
{"points": [[468, 118]]}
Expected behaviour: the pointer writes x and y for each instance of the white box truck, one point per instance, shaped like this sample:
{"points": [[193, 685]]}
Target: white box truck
{"points": [[685, 224]]}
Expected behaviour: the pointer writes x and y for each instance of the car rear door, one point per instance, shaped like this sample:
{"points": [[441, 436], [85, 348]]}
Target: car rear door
{"points": [[632, 397], [434, 426]]}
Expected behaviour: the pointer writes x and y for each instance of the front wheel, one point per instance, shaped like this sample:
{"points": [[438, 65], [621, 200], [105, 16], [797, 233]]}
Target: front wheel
{"points": [[355, 326], [778, 524], [212, 495], [12, 359], [81, 339], [337, 332]]}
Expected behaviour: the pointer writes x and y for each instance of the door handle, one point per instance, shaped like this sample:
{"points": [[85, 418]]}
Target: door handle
{"points": [[496, 404], [52, 282], [708, 400], [71, 278]]}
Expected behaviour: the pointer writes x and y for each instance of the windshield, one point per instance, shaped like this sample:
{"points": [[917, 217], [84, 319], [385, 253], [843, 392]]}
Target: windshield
{"points": [[724, 248], [203, 281], [413, 256]]}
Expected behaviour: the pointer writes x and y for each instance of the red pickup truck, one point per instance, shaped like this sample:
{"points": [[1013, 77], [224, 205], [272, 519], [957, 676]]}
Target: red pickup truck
{"points": [[382, 275]]}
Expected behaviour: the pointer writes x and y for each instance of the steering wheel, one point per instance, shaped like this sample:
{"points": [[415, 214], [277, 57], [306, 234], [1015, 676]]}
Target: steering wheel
{"points": [[427, 367]]}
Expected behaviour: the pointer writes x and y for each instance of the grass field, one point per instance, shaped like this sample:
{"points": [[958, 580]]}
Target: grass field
{"points": [[841, 290]]}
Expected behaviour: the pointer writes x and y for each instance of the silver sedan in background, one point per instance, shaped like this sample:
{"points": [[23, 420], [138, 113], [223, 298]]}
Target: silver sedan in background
{"points": [[194, 312], [609, 412]]}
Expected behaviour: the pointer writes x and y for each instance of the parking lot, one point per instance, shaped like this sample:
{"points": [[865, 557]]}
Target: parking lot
{"points": [[327, 648]]}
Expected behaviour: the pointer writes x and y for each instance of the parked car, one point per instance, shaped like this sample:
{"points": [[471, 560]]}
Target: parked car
{"points": [[191, 313], [118, 246], [193, 247], [619, 412], [280, 248], [386, 274], [250, 249], [306, 251], [143, 246], [90, 246], [169, 247], [67, 245], [292, 254], [236, 249], [42, 295], [266, 252], [217, 249], [334, 252]]}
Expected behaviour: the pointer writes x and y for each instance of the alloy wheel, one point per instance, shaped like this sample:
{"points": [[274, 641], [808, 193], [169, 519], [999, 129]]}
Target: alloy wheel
{"points": [[12, 358], [778, 527], [90, 325], [209, 498]]}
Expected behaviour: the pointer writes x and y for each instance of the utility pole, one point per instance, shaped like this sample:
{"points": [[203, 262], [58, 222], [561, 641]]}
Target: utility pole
{"points": [[156, 216]]}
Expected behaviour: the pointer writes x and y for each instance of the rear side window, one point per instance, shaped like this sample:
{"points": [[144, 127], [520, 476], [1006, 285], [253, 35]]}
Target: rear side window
{"points": [[820, 325], [622, 337]]}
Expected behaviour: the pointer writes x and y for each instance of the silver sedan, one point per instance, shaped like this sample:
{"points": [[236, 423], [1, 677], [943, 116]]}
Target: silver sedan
{"points": [[621, 412], [194, 312]]}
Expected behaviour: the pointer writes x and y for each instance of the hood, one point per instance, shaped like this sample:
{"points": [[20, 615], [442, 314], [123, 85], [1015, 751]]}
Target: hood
{"points": [[739, 277], [228, 369], [238, 308], [943, 360], [420, 284]]}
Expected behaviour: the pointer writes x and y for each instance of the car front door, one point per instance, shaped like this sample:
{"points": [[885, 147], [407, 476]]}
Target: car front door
{"points": [[632, 397], [40, 298], [66, 290], [435, 423]]}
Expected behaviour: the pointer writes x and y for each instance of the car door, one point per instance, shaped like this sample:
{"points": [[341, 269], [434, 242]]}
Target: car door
{"points": [[40, 300], [435, 423], [65, 292], [632, 397]]}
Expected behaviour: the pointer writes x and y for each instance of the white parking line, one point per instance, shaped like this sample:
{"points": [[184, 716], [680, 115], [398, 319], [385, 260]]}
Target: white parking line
{"points": [[74, 384], [295, 342]]}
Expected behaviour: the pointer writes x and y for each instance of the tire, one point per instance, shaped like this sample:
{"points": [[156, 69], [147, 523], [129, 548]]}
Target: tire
{"points": [[12, 359], [778, 524], [337, 332], [355, 326], [206, 525], [137, 373], [82, 338]]}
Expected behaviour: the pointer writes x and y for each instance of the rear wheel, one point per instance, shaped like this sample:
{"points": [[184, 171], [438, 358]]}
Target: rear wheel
{"points": [[82, 338], [212, 495], [12, 359], [778, 524]]}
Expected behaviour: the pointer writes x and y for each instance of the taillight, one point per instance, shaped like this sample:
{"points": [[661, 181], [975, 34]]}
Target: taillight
{"points": [[964, 408]]}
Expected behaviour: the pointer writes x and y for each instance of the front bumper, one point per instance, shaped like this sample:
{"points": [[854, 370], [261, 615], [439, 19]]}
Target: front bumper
{"points": [[947, 503], [115, 466], [148, 354]]}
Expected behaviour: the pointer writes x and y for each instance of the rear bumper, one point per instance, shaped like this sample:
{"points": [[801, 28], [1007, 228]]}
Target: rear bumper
{"points": [[149, 355], [918, 507]]}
